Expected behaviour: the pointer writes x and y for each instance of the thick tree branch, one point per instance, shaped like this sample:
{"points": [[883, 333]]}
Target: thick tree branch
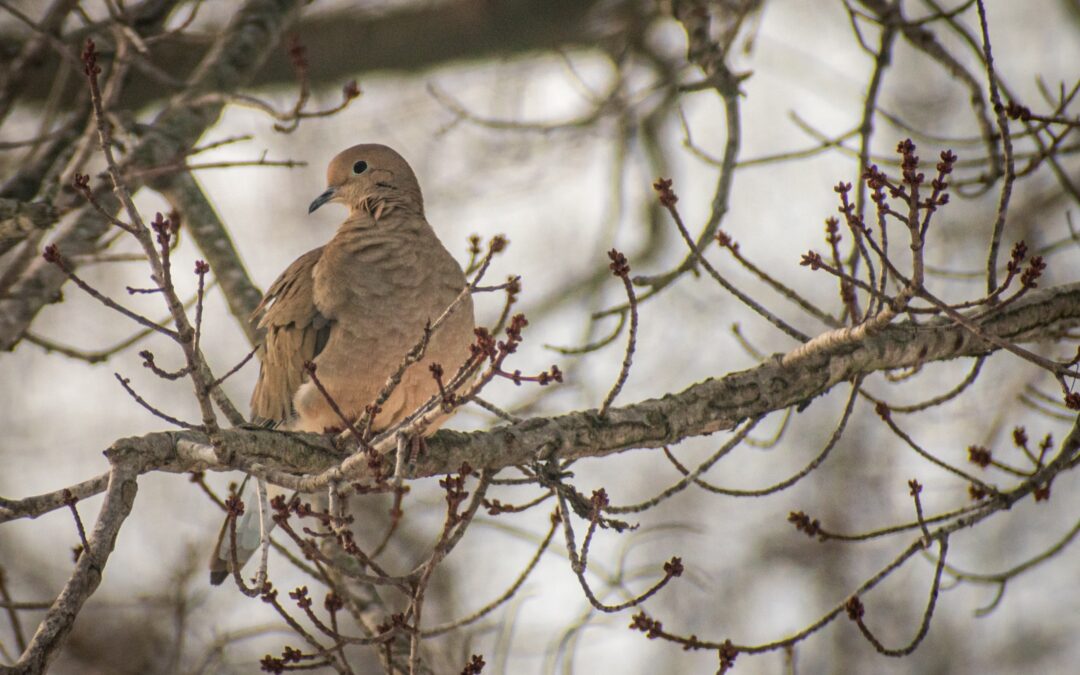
{"points": [[440, 33], [703, 408]]}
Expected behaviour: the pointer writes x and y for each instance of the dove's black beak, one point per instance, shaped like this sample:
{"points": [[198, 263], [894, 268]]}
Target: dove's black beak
{"points": [[321, 199]]}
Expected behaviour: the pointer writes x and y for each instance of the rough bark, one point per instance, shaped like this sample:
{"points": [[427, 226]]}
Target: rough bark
{"points": [[702, 408]]}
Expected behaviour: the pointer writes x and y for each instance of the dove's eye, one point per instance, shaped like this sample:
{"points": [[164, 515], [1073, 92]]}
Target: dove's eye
{"points": [[359, 167]]}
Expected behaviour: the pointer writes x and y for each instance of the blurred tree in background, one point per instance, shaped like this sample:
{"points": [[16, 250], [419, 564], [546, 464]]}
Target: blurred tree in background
{"points": [[816, 262]]}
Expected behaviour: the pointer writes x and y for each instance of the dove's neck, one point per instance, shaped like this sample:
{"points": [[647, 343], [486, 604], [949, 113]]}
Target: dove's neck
{"points": [[364, 226], [380, 204]]}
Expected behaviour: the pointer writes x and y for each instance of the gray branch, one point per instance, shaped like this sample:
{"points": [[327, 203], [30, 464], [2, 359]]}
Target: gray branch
{"points": [[704, 408]]}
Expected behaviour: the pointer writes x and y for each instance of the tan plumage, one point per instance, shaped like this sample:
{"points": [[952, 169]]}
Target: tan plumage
{"points": [[293, 326], [355, 306]]}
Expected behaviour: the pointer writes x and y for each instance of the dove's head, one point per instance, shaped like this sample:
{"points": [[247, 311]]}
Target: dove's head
{"points": [[371, 178]]}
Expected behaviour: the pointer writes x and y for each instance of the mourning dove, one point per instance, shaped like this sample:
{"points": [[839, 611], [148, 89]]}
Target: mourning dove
{"points": [[354, 308]]}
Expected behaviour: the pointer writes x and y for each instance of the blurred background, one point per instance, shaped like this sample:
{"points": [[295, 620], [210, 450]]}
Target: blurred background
{"points": [[548, 122]]}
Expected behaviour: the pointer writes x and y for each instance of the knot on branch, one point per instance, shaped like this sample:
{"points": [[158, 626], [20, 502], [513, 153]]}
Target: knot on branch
{"points": [[854, 608]]}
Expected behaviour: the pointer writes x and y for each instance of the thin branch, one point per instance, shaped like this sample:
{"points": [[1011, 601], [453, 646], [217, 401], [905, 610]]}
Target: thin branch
{"points": [[788, 482], [1007, 148], [621, 268], [668, 199], [856, 613]]}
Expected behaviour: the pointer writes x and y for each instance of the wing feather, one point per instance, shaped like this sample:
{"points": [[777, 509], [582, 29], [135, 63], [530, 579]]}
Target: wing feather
{"points": [[295, 332]]}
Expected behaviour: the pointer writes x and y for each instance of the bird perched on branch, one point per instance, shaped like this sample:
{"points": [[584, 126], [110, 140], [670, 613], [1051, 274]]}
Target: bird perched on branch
{"points": [[354, 308]]}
